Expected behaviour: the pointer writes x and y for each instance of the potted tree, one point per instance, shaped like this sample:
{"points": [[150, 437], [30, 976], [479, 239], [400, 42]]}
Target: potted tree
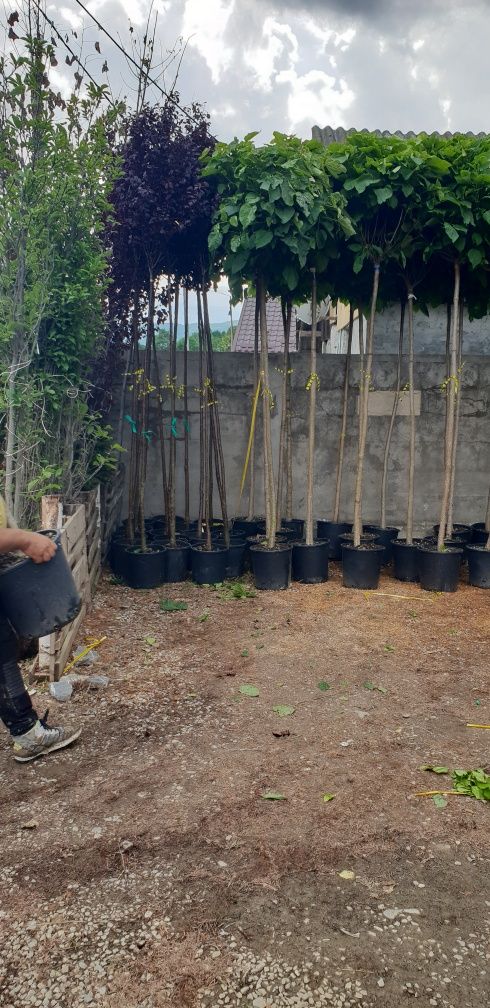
{"points": [[265, 230]]}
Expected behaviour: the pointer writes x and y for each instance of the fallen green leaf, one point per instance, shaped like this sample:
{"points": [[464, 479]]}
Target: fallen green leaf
{"points": [[169, 605], [150, 640], [328, 797], [273, 796], [434, 769], [439, 801], [372, 686], [283, 710], [322, 685], [389, 647], [247, 690], [349, 875], [204, 617]]}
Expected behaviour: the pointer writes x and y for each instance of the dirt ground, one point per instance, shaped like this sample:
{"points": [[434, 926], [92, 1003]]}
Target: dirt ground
{"points": [[145, 869]]}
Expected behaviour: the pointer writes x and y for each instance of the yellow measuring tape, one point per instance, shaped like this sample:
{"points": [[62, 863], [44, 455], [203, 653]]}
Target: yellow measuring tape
{"points": [[251, 435], [83, 653]]}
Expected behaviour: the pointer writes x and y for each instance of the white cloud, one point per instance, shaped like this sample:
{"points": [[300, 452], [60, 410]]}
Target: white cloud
{"points": [[204, 24], [316, 97], [418, 44], [279, 40], [445, 104], [74, 19]]}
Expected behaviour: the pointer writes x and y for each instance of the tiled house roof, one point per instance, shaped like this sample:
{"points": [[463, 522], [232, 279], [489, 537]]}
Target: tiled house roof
{"points": [[328, 135], [244, 337]]}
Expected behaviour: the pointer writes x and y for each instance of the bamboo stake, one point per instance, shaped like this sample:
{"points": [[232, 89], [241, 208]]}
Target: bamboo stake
{"points": [[313, 384], [452, 379], [411, 392], [394, 414], [364, 410], [270, 504]]}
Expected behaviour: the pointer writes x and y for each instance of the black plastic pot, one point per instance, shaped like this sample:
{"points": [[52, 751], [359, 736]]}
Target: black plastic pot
{"points": [[478, 565], [310, 563], [439, 570], [244, 527], [294, 525], [406, 560], [144, 570], [332, 531], [38, 599], [117, 556], [455, 542], [235, 564], [361, 565], [208, 566], [385, 536], [271, 568], [460, 531], [175, 563], [479, 535]]}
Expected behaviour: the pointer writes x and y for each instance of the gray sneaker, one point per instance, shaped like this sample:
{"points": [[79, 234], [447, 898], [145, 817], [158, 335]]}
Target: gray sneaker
{"points": [[41, 740]]}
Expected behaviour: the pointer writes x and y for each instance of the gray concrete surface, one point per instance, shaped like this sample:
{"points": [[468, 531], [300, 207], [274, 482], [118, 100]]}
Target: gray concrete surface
{"points": [[235, 385]]}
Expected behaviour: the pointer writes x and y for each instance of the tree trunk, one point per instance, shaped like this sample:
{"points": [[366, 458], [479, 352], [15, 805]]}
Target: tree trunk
{"points": [[161, 434], [394, 413], [313, 385], [451, 410], [270, 503], [487, 521], [172, 531], [251, 491], [364, 410], [283, 460], [150, 332], [186, 410], [411, 393], [450, 516], [343, 425], [215, 426]]}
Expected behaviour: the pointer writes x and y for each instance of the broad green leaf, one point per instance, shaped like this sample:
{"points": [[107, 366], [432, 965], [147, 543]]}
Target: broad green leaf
{"points": [[328, 797], [435, 769], [247, 214], [475, 256], [290, 275], [283, 710], [439, 801], [262, 238], [273, 796], [383, 194], [438, 164], [248, 690], [451, 232]]}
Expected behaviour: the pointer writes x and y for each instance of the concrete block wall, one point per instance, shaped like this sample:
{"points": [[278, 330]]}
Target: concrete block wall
{"points": [[234, 373]]}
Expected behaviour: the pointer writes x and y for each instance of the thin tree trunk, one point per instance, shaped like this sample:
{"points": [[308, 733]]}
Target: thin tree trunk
{"points": [[394, 414], [487, 521], [361, 340], [161, 434], [364, 410], [448, 371], [186, 410], [411, 393], [173, 402], [270, 503], [343, 426], [450, 518], [146, 407], [215, 426], [135, 444], [251, 492], [451, 411], [202, 411], [313, 384], [283, 460]]}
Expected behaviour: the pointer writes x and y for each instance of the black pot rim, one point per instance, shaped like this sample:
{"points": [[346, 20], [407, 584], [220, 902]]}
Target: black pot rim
{"points": [[479, 547], [214, 549], [425, 548], [278, 548], [364, 535], [318, 542], [403, 543], [136, 551], [365, 547], [382, 528], [20, 561]]}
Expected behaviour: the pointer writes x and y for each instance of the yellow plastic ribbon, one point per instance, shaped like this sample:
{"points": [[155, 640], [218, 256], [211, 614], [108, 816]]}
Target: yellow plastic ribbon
{"points": [[83, 653], [251, 435]]}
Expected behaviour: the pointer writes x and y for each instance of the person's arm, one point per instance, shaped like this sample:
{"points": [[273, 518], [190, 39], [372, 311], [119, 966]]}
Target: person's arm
{"points": [[37, 547]]}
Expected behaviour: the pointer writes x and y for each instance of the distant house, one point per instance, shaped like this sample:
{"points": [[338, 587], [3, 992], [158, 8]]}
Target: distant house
{"points": [[244, 338]]}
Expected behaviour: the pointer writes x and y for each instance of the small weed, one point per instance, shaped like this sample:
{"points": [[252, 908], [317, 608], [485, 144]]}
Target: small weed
{"points": [[169, 605], [204, 617], [244, 653]]}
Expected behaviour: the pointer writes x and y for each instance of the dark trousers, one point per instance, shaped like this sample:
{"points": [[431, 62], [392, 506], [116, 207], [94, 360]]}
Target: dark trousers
{"points": [[16, 710]]}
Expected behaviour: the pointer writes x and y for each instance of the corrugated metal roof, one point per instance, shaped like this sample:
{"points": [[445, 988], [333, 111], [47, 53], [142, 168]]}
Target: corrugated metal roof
{"points": [[328, 135], [244, 338]]}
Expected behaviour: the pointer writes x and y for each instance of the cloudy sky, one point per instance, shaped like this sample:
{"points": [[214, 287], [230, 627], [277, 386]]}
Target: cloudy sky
{"points": [[287, 65]]}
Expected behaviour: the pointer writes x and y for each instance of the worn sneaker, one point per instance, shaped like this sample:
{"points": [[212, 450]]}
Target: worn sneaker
{"points": [[41, 740]]}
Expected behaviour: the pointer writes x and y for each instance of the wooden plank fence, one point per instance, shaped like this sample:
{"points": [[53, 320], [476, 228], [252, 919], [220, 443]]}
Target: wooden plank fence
{"points": [[86, 526]]}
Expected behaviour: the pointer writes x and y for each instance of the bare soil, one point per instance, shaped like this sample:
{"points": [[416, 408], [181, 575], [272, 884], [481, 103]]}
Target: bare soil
{"points": [[145, 868]]}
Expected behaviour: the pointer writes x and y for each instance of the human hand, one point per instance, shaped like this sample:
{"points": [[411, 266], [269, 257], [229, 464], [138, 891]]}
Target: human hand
{"points": [[37, 547]]}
